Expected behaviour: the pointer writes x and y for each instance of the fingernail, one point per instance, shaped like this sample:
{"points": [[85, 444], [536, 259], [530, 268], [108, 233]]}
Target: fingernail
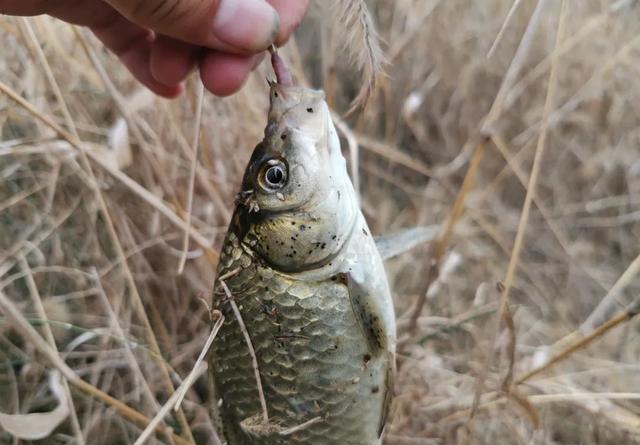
{"points": [[246, 24]]}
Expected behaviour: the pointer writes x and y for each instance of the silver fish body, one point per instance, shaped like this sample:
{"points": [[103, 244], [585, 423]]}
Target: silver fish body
{"points": [[309, 284]]}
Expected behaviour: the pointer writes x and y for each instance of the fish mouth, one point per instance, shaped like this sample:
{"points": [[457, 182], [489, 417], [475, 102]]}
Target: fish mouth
{"points": [[286, 99]]}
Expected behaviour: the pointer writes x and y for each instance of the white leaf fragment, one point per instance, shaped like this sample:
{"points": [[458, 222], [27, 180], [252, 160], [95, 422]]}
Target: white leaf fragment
{"points": [[37, 426], [119, 144]]}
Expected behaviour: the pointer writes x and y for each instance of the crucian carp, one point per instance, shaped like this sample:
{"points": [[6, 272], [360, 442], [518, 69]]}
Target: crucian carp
{"points": [[306, 354]]}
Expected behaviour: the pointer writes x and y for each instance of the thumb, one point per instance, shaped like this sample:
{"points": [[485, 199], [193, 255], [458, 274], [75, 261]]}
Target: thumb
{"points": [[229, 25]]}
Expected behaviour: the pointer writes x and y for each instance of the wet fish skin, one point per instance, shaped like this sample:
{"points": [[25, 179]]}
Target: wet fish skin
{"points": [[309, 283]]}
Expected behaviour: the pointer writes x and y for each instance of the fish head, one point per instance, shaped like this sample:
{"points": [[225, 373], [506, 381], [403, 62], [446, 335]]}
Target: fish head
{"points": [[297, 203]]}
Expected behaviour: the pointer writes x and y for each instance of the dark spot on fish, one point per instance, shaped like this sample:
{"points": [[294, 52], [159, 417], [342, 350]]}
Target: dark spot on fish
{"points": [[334, 237], [293, 238], [323, 245], [303, 227], [283, 136], [375, 390], [366, 358], [309, 110], [293, 223], [299, 185], [311, 251], [275, 93], [341, 278], [365, 232]]}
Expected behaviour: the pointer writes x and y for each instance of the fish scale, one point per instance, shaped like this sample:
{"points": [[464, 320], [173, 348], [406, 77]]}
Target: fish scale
{"points": [[321, 367]]}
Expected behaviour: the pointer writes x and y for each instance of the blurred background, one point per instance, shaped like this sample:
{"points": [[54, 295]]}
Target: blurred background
{"points": [[510, 126]]}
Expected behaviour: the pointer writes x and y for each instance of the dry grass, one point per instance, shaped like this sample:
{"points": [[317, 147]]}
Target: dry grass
{"points": [[95, 178]]}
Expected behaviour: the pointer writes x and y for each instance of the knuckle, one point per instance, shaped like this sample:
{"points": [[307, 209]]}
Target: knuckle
{"points": [[152, 13], [163, 14]]}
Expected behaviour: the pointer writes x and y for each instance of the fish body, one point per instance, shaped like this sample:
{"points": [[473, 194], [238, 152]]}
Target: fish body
{"points": [[302, 268]]}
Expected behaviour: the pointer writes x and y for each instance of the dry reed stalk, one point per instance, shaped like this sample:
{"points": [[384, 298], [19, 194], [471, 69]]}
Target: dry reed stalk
{"points": [[623, 317], [247, 338], [514, 67], [174, 402], [569, 44], [6, 264], [48, 335], [192, 177], [495, 398], [30, 334], [129, 276], [140, 382], [393, 154], [557, 231], [443, 242], [503, 27], [610, 301], [302, 426], [524, 217], [622, 55], [136, 188], [111, 228]]}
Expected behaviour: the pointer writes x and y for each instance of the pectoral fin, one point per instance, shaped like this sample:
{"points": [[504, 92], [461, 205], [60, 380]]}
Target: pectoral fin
{"points": [[368, 311], [397, 243], [378, 327], [388, 392]]}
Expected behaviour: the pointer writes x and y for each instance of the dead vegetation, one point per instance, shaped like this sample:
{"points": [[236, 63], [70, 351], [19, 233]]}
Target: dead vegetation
{"points": [[513, 125]]}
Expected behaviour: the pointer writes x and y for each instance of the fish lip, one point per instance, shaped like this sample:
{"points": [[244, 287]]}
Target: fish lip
{"points": [[282, 90]]}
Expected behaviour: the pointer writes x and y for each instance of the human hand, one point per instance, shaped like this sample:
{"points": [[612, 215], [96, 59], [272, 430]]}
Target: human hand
{"points": [[162, 41]]}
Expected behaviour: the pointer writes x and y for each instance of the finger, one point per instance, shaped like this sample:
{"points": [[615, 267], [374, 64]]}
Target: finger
{"points": [[223, 74], [132, 45], [257, 60], [291, 13], [172, 60], [87, 13], [233, 25], [137, 60], [25, 7]]}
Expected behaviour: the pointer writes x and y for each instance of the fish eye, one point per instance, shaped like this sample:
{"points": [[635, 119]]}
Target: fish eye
{"points": [[274, 175]]}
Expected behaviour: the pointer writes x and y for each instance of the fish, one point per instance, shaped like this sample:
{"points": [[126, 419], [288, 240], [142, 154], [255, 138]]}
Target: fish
{"points": [[306, 352]]}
